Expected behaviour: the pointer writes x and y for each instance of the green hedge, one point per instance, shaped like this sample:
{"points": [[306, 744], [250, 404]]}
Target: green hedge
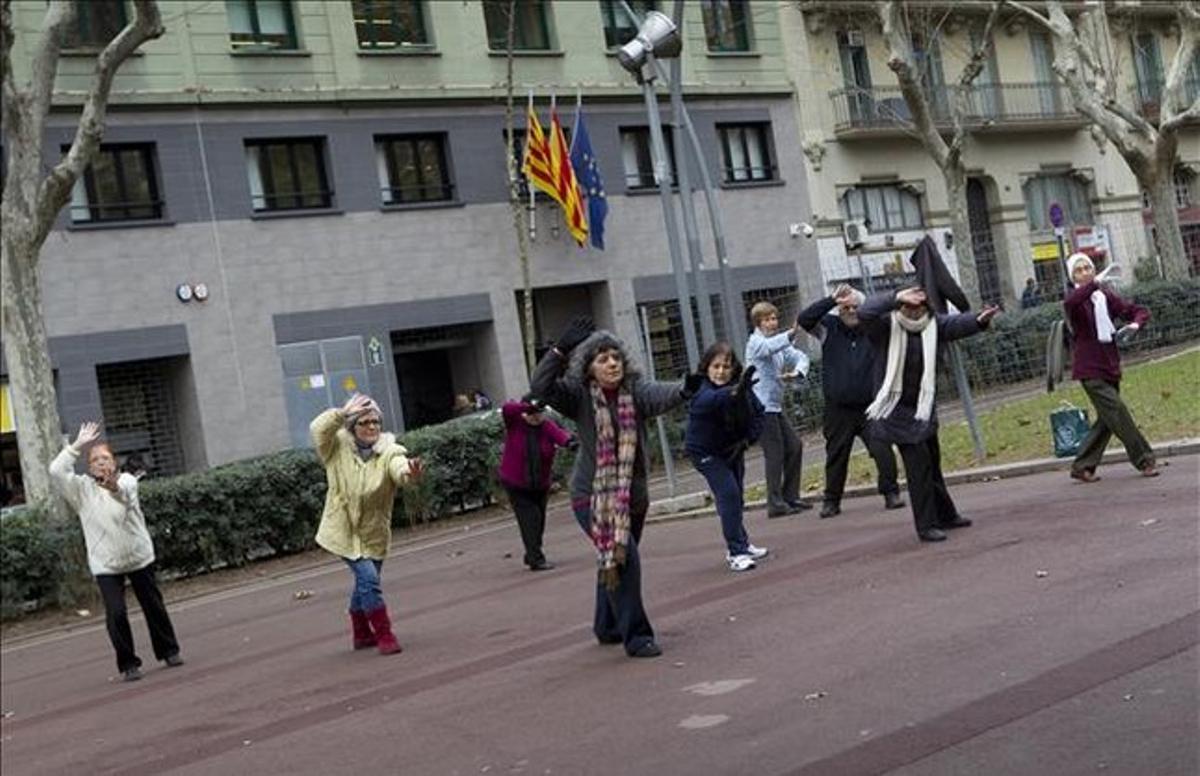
{"points": [[260, 507]]}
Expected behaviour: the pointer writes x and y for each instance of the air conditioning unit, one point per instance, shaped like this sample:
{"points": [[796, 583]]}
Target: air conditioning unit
{"points": [[854, 38], [854, 232]]}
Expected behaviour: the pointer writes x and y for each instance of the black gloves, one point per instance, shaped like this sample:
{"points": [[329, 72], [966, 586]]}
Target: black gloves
{"points": [[746, 382], [691, 384], [577, 331]]}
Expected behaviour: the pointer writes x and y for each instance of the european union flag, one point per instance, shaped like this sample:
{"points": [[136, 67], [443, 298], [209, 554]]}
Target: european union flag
{"points": [[583, 159]]}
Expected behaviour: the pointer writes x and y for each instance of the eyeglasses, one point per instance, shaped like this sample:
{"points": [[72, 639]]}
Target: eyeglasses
{"points": [[368, 424]]}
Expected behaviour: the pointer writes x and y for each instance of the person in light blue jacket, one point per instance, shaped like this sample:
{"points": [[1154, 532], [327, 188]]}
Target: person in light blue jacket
{"points": [[775, 359]]}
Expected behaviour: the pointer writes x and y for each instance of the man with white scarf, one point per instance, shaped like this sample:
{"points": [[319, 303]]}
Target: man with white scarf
{"points": [[907, 336], [1096, 363]]}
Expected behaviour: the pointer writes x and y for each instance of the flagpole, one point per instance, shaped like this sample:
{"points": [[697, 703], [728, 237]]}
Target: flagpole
{"points": [[528, 185], [578, 108]]}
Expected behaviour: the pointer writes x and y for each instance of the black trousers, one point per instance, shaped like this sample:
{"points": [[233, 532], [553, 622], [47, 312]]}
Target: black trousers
{"points": [[782, 452], [530, 509], [619, 616], [932, 506], [842, 425], [162, 634]]}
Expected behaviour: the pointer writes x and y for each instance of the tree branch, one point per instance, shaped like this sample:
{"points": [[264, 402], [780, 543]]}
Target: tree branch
{"points": [[1185, 54], [56, 188], [900, 61]]}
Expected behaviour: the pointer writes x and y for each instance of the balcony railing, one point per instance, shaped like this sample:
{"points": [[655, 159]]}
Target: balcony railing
{"points": [[1148, 95], [858, 110]]}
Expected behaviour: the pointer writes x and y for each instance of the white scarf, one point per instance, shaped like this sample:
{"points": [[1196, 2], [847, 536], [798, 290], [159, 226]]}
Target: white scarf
{"points": [[893, 379], [1104, 324]]}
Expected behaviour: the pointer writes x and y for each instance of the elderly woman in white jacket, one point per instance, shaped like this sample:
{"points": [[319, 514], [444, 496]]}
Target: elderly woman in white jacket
{"points": [[118, 546]]}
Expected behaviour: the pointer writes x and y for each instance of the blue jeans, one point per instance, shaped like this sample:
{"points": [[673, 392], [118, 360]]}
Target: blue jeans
{"points": [[367, 595], [619, 616], [725, 480]]}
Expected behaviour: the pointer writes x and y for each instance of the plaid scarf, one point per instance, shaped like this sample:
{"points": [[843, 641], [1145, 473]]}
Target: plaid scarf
{"points": [[615, 453]]}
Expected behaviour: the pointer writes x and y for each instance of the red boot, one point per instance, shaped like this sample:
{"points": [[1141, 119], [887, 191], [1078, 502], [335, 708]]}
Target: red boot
{"points": [[363, 638], [382, 625]]}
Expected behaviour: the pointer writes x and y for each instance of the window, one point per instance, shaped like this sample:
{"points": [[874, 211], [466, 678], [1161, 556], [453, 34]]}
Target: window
{"points": [[119, 185], [884, 208], [288, 174], [1147, 67], [531, 31], [1184, 180], [261, 25], [619, 29], [726, 24], [389, 24], [1069, 192], [636, 159], [412, 168], [96, 23], [746, 152]]}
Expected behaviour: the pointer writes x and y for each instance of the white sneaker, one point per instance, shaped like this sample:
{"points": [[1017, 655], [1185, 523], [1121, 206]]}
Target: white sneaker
{"points": [[758, 553], [740, 562]]}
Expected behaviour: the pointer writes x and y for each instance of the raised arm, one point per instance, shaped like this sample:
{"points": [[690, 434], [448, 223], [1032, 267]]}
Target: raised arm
{"points": [[874, 313], [1127, 311], [765, 347], [324, 430], [960, 325], [548, 383], [1079, 295], [810, 317], [62, 474]]}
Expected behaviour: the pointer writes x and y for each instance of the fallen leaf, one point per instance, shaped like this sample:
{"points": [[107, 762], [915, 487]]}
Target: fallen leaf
{"points": [[814, 696], [83, 612], [1148, 521], [300, 595], [1040, 573]]}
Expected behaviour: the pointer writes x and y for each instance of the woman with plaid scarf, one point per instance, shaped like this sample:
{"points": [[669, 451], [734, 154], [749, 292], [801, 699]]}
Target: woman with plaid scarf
{"points": [[589, 377]]}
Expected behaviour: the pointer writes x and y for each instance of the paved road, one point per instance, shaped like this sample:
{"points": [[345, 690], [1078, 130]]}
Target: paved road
{"points": [[1057, 636]]}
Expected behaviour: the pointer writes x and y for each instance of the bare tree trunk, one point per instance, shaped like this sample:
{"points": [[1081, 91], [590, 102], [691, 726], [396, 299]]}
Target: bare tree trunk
{"points": [[26, 349], [1159, 185], [955, 176], [514, 197]]}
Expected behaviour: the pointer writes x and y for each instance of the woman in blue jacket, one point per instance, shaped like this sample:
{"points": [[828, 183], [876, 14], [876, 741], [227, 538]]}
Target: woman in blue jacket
{"points": [[724, 418]]}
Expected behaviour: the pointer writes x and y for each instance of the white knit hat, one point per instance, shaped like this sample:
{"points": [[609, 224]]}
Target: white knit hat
{"points": [[1075, 259]]}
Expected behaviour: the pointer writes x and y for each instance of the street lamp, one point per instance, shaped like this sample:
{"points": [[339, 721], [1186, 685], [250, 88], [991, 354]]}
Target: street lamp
{"points": [[658, 35]]}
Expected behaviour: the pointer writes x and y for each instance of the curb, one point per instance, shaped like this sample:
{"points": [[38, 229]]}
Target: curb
{"points": [[982, 474]]}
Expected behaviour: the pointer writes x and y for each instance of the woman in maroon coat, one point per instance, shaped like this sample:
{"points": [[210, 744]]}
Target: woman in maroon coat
{"points": [[1096, 364], [530, 442]]}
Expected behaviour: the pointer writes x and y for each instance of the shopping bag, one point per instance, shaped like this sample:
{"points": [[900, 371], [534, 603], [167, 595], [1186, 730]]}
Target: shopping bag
{"points": [[1068, 427]]}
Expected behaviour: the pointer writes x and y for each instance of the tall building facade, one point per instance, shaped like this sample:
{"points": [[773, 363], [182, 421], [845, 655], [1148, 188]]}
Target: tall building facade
{"points": [[1027, 151], [297, 199]]}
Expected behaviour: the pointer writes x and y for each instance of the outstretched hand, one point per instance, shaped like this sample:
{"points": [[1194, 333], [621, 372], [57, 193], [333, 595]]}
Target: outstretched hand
{"points": [[416, 469], [987, 314], [1127, 331], [89, 432], [691, 384], [577, 331]]}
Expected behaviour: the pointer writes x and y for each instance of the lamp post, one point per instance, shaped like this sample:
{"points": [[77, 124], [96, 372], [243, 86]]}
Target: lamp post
{"points": [[657, 34]]}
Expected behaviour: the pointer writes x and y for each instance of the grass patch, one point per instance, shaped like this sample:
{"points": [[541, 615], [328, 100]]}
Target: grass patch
{"points": [[1161, 395]]}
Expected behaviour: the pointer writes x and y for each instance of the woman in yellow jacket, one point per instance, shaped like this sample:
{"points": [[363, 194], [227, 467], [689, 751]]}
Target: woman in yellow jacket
{"points": [[363, 467]]}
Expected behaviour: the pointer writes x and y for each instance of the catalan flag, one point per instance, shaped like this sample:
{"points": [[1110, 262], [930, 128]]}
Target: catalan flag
{"points": [[535, 165], [569, 195]]}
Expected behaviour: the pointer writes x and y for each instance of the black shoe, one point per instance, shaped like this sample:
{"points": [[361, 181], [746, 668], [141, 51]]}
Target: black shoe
{"points": [[830, 509], [932, 535], [649, 649], [608, 640], [132, 674], [958, 522], [892, 501], [542, 565], [785, 512], [799, 506], [174, 661]]}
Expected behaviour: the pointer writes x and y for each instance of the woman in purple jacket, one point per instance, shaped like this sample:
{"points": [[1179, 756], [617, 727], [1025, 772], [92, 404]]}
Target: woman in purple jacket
{"points": [[530, 442], [1096, 364]]}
